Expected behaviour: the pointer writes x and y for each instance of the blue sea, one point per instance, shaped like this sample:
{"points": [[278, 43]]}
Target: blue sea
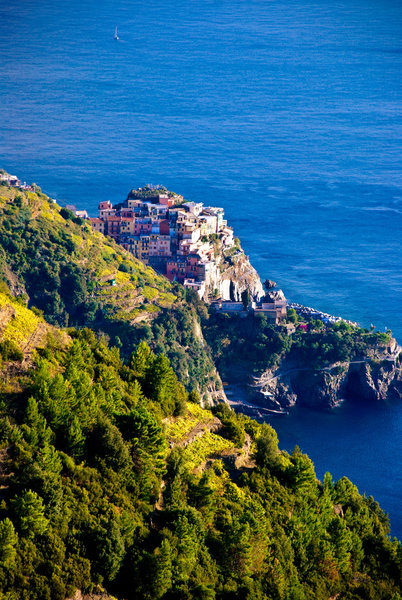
{"points": [[286, 113]]}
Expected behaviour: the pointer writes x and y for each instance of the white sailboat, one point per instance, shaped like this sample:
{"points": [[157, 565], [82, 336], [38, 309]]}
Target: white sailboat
{"points": [[116, 37]]}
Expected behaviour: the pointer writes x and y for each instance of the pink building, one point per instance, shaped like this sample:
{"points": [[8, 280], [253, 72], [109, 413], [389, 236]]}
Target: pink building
{"points": [[113, 226], [176, 269], [163, 245], [164, 227], [142, 226], [106, 209], [165, 200]]}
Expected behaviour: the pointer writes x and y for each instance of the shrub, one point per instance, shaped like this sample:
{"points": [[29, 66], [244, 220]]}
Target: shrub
{"points": [[10, 351], [124, 268], [66, 214]]}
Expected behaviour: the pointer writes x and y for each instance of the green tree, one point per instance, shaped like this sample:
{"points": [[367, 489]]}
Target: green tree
{"points": [[245, 298], [267, 453], [105, 444], [161, 385], [10, 351], [8, 542], [75, 437], [30, 513], [194, 397], [301, 472], [292, 315], [108, 547], [162, 579], [141, 360]]}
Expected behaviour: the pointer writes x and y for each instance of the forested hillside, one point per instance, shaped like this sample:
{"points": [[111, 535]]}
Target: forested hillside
{"points": [[111, 475], [51, 260]]}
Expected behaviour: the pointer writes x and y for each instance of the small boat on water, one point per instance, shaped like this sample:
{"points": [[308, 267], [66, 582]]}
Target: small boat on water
{"points": [[116, 37]]}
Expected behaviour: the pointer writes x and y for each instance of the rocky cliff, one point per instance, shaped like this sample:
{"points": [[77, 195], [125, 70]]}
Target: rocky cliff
{"points": [[241, 276], [377, 377], [233, 276]]}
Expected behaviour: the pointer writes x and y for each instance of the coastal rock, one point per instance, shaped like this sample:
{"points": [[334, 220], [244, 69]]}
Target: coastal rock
{"points": [[238, 277], [377, 380], [316, 389], [371, 379], [274, 295]]}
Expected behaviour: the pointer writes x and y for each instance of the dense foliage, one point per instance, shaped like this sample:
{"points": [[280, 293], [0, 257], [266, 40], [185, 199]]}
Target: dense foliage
{"points": [[94, 489], [262, 345], [55, 261], [112, 474]]}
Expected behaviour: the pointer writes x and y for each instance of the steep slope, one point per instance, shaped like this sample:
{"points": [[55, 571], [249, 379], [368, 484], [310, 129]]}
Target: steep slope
{"points": [[26, 329], [110, 476], [69, 272], [22, 333], [54, 262]]}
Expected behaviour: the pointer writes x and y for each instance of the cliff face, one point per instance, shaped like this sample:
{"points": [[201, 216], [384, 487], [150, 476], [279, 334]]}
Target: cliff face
{"points": [[233, 276], [374, 378], [214, 392], [242, 276]]}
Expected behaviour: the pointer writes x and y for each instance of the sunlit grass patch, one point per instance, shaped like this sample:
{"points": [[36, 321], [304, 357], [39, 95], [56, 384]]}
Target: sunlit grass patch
{"points": [[208, 445], [166, 299], [150, 293], [21, 324], [177, 429], [201, 413]]}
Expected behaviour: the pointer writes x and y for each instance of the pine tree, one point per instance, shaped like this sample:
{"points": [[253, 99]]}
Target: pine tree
{"points": [[75, 437], [162, 580], [8, 542], [161, 384], [141, 359], [30, 512]]}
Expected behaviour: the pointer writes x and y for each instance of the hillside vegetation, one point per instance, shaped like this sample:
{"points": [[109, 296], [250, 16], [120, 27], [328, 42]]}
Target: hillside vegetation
{"points": [[110, 476], [53, 261], [261, 345], [67, 270]]}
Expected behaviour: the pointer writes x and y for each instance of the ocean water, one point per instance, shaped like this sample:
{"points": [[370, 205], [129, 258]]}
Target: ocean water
{"points": [[288, 114]]}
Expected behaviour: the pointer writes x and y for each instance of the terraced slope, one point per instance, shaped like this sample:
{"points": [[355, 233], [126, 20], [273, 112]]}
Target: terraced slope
{"points": [[68, 271], [53, 261], [110, 475]]}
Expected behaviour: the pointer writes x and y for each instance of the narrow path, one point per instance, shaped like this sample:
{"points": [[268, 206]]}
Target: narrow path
{"points": [[278, 375], [199, 430]]}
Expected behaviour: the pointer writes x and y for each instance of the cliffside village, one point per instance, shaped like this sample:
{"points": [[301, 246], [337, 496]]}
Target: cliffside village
{"points": [[171, 235], [178, 239]]}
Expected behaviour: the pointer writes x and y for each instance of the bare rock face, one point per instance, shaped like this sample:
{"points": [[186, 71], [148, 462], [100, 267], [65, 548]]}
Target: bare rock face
{"points": [[318, 389], [98, 594], [241, 276], [214, 393], [371, 379], [375, 380], [275, 295]]}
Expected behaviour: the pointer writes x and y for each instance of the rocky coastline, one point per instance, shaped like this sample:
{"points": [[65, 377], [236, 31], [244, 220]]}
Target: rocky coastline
{"points": [[373, 378]]}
